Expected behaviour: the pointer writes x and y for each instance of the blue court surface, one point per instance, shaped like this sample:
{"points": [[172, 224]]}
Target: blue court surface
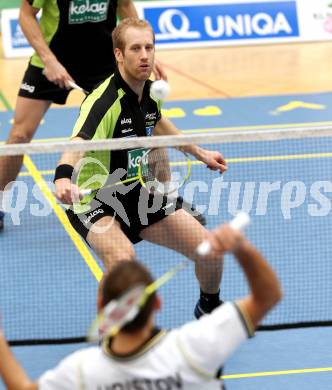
{"points": [[49, 277]]}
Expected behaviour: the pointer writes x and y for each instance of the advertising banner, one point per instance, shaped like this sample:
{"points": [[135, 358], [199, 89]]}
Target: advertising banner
{"points": [[217, 23], [315, 19], [184, 23], [14, 42]]}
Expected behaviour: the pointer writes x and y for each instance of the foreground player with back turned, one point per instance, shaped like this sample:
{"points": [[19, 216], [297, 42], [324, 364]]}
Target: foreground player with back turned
{"points": [[72, 42], [143, 356]]}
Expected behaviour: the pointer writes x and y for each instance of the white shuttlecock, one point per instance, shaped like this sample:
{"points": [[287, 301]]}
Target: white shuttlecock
{"points": [[203, 248], [240, 221], [160, 89]]}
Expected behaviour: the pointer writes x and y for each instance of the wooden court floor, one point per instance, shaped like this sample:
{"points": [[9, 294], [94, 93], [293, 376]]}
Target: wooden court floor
{"points": [[222, 72]]}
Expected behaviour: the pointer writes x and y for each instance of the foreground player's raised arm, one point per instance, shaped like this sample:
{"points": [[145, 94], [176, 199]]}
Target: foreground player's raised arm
{"points": [[13, 375], [210, 341], [265, 290], [263, 282]]}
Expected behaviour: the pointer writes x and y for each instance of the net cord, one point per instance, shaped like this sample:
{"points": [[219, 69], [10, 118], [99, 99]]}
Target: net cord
{"points": [[165, 141]]}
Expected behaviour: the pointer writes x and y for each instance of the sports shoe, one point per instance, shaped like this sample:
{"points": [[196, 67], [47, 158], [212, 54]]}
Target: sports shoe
{"points": [[2, 217], [200, 311], [190, 208]]}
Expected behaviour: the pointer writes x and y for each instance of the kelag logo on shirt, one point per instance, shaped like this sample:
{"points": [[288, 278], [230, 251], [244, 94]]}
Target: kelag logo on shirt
{"points": [[134, 160], [81, 11]]}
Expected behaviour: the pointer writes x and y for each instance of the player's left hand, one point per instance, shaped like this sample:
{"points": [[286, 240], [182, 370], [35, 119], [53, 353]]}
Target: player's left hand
{"points": [[158, 71], [214, 160]]}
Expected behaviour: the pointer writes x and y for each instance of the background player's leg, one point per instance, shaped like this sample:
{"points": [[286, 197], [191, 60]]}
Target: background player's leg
{"points": [[109, 242], [182, 233], [28, 114]]}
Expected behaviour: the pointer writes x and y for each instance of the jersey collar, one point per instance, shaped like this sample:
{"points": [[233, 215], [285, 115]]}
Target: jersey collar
{"points": [[122, 84], [156, 335]]}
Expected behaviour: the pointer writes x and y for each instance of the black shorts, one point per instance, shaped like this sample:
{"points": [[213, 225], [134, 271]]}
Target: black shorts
{"points": [[133, 217], [36, 86]]}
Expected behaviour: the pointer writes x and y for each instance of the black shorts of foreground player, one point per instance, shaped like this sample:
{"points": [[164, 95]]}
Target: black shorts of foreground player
{"points": [[145, 357], [122, 107]]}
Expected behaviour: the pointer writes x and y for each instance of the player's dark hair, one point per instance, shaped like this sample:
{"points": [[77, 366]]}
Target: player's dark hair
{"points": [[125, 275], [120, 29]]}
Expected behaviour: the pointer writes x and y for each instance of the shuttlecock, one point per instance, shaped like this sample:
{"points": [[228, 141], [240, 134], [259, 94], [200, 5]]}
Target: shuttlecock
{"points": [[160, 89]]}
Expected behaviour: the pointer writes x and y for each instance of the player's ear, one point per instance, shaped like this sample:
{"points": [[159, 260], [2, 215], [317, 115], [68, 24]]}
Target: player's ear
{"points": [[118, 55], [157, 303]]}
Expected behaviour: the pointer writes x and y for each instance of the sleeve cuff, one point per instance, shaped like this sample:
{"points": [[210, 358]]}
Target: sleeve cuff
{"points": [[247, 323]]}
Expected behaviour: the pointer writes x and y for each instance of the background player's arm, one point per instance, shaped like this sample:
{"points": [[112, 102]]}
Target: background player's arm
{"points": [[13, 375], [65, 190], [126, 9], [213, 159], [53, 70]]}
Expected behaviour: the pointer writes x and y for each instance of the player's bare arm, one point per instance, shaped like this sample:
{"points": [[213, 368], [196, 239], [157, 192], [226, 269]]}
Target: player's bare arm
{"points": [[263, 282], [11, 371], [53, 70], [213, 159], [126, 9]]}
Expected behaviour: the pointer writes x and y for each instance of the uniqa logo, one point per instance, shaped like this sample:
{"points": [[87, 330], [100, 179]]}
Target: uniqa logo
{"points": [[261, 24], [246, 25], [169, 31]]}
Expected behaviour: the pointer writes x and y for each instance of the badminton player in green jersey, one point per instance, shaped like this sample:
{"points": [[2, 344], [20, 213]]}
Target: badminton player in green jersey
{"points": [[122, 107]]}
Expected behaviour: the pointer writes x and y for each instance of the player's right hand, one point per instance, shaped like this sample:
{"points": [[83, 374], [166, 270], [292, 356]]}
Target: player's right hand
{"points": [[66, 192], [55, 72], [225, 239]]}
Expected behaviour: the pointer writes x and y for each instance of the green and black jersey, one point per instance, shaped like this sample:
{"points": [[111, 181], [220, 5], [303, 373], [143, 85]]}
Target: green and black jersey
{"points": [[113, 111], [79, 33]]}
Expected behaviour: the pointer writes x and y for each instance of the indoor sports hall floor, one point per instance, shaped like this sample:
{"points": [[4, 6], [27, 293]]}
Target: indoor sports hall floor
{"points": [[48, 279]]}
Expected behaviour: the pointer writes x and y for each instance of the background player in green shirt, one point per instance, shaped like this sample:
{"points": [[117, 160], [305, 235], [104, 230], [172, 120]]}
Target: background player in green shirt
{"points": [[72, 42]]}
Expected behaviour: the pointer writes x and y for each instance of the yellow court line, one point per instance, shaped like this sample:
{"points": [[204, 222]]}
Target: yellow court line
{"points": [[42, 172], [260, 127], [82, 249], [274, 373], [273, 158]]}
